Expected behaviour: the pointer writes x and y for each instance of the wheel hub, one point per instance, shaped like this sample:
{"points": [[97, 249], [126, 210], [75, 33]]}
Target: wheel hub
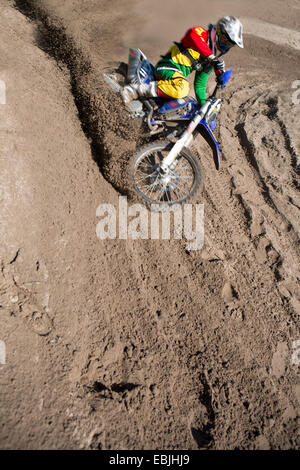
{"points": [[163, 180]]}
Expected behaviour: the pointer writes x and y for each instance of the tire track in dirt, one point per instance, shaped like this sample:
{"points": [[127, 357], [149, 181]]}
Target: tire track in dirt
{"points": [[39, 212], [177, 344], [82, 69], [280, 223], [85, 82], [272, 32], [247, 228]]}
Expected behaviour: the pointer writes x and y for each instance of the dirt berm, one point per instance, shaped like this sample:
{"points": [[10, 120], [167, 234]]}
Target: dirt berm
{"points": [[142, 344]]}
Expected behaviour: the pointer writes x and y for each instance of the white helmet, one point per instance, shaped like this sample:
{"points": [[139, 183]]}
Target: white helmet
{"points": [[229, 33]]}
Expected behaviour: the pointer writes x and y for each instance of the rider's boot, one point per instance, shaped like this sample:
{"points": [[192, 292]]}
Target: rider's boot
{"points": [[133, 91]]}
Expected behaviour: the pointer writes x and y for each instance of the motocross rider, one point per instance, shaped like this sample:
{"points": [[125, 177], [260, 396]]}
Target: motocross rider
{"points": [[200, 50]]}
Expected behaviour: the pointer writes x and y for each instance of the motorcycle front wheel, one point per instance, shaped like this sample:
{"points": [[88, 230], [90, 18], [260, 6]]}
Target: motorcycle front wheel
{"points": [[175, 186]]}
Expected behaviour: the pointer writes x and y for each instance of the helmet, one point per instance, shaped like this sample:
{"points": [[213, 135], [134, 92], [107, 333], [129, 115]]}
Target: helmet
{"points": [[229, 33]]}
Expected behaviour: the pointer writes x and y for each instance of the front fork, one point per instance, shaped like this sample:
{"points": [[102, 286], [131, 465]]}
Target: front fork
{"points": [[186, 138]]}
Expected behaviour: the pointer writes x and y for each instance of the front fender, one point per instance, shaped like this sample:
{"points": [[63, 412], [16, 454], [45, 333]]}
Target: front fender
{"points": [[207, 134]]}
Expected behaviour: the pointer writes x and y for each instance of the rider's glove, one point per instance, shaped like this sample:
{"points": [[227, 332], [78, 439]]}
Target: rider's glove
{"points": [[218, 65], [220, 79]]}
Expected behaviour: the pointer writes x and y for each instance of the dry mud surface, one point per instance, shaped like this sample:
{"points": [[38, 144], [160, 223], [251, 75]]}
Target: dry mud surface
{"points": [[141, 344]]}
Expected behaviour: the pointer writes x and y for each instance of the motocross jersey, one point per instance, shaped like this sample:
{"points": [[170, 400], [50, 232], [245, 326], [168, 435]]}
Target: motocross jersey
{"points": [[196, 43], [199, 43]]}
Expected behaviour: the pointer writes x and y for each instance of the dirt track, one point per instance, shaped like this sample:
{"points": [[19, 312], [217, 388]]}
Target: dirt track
{"points": [[139, 344]]}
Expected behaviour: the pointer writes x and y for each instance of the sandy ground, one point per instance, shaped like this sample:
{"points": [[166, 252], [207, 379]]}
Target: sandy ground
{"points": [[140, 344]]}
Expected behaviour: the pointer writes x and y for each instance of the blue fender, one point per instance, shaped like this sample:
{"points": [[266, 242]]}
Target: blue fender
{"points": [[207, 135]]}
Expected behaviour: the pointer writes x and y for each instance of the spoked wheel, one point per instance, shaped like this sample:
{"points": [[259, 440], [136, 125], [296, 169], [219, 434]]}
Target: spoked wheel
{"points": [[175, 186]]}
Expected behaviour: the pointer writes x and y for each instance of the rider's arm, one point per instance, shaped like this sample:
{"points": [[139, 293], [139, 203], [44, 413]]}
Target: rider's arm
{"points": [[200, 83], [196, 39]]}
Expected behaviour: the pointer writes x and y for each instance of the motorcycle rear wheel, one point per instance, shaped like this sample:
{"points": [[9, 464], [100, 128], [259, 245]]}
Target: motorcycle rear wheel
{"points": [[177, 186]]}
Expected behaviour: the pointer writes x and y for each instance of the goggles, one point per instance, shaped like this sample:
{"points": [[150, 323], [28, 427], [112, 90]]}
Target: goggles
{"points": [[224, 43]]}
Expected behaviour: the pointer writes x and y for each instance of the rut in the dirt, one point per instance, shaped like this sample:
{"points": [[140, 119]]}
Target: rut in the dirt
{"points": [[273, 115], [95, 117], [185, 359]]}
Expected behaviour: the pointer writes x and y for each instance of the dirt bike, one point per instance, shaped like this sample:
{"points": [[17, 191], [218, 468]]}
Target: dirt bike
{"points": [[165, 172]]}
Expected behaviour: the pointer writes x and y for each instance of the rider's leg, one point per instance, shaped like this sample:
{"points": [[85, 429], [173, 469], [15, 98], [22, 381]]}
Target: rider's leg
{"points": [[133, 91], [200, 84], [176, 87]]}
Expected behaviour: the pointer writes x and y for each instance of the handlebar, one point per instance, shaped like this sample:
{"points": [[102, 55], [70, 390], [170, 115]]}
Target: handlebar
{"points": [[215, 91], [202, 110]]}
